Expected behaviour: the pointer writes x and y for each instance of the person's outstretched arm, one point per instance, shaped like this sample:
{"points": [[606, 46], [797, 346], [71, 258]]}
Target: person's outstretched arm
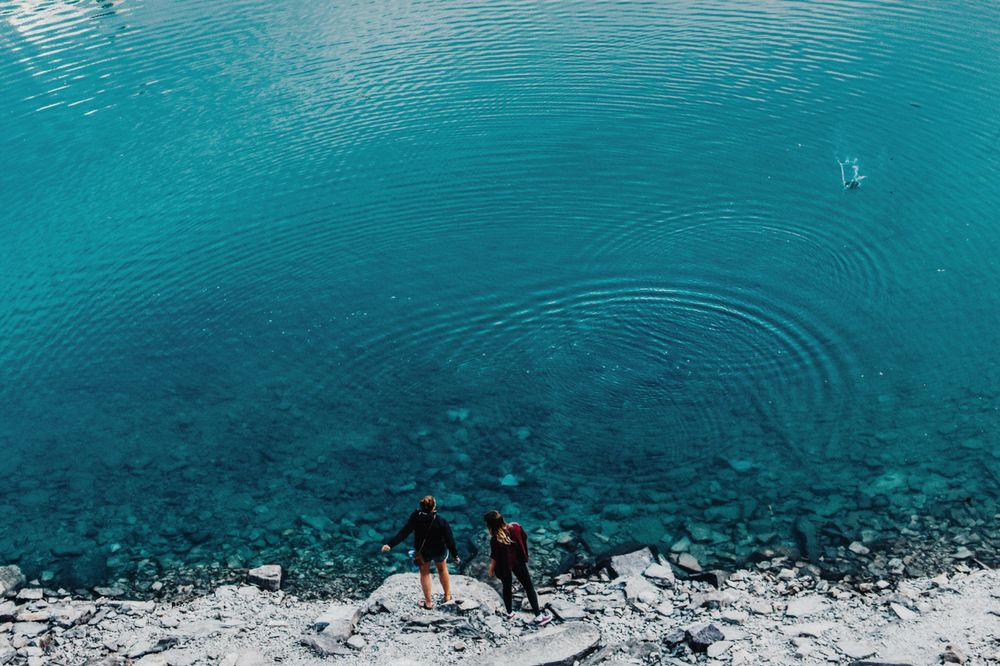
{"points": [[401, 534], [449, 540]]}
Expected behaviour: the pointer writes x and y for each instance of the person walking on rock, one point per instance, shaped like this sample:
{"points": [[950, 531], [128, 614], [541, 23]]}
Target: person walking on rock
{"points": [[509, 558], [432, 542]]}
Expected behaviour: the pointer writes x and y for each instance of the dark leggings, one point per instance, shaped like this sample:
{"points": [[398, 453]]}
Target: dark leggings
{"points": [[521, 571]]}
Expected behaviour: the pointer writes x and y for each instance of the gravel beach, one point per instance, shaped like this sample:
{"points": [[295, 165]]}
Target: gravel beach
{"points": [[635, 609]]}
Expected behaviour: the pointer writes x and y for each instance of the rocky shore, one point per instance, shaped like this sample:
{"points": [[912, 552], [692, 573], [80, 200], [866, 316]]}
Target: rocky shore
{"points": [[633, 608]]}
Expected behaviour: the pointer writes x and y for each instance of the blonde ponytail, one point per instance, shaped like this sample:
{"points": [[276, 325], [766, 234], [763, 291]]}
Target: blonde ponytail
{"points": [[498, 527]]}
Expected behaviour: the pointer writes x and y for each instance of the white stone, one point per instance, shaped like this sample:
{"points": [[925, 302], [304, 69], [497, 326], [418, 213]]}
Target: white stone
{"points": [[734, 616], [634, 563], [660, 573], [338, 621], [718, 648], [639, 589], [803, 606], [855, 649], [665, 609], [566, 610], [688, 561]]}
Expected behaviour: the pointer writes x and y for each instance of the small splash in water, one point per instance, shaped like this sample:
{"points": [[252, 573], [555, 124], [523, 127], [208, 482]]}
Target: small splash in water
{"points": [[853, 181]]}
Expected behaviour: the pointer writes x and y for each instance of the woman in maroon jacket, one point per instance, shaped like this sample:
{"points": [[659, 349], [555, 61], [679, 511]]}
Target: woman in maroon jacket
{"points": [[509, 558]]}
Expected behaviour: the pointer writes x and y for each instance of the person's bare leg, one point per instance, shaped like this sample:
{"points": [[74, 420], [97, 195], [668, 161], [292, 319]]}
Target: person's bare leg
{"points": [[445, 579], [425, 584]]}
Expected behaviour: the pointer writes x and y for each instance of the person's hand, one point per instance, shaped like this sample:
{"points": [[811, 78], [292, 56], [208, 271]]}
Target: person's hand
{"points": [[490, 571], [385, 548]]}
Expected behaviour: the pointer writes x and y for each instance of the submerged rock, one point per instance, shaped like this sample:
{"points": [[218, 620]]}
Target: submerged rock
{"points": [[805, 535], [11, 579], [509, 481]]}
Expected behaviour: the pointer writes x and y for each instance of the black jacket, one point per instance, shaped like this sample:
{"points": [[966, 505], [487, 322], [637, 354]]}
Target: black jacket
{"points": [[431, 534]]}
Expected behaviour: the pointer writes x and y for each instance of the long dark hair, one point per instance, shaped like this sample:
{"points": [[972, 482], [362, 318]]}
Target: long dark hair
{"points": [[497, 527]]}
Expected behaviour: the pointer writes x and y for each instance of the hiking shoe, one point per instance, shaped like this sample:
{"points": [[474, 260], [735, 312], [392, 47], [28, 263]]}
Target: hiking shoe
{"points": [[542, 619]]}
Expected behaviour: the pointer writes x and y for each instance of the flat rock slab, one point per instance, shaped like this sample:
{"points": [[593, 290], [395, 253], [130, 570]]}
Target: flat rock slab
{"points": [[552, 646], [804, 606], [198, 629], [30, 628], [634, 563], [566, 610], [811, 629]]}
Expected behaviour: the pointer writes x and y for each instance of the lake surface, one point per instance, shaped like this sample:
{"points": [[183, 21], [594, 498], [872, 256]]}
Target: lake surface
{"points": [[271, 271]]}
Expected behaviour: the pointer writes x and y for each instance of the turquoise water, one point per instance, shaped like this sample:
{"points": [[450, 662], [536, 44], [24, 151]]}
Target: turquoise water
{"points": [[270, 271]]}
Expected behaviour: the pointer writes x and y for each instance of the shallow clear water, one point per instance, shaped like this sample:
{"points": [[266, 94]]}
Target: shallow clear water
{"points": [[266, 264]]}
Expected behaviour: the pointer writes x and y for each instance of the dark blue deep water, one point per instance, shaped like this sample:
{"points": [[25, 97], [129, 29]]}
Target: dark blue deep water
{"points": [[269, 271]]}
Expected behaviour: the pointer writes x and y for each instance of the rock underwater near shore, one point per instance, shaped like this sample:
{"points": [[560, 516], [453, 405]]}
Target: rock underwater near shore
{"points": [[635, 610]]}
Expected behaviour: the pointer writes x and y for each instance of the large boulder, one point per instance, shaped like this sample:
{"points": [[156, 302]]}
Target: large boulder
{"points": [[11, 580], [632, 564], [701, 637], [338, 621], [267, 577], [400, 594], [553, 646]]}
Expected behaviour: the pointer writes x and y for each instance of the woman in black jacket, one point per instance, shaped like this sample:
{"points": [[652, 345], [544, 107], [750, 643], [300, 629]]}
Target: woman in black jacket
{"points": [[432, 542]]}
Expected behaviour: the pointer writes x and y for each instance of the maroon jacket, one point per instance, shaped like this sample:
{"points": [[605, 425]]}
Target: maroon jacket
{"points": [[508, 555]]}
